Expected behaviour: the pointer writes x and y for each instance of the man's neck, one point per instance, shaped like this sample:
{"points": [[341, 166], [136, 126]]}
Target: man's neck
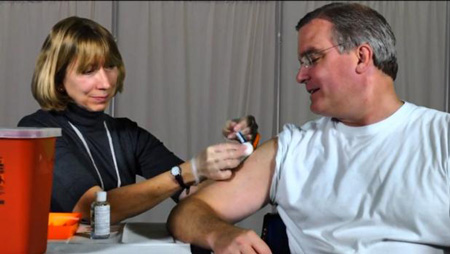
{"points": [[374, 115], [378, 103]]}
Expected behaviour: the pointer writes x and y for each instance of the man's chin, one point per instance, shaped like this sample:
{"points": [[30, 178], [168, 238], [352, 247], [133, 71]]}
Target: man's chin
{"points": [[318, 110], [315, 109]]}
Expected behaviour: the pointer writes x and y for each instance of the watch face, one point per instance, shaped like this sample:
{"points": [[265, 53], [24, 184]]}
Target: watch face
{"points": [[175, 171]]}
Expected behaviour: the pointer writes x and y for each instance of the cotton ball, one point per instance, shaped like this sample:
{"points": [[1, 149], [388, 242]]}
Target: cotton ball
{"points": [[248, 149]]}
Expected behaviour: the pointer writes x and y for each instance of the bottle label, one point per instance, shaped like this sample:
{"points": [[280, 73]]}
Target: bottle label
{"points": [[102, 221]]}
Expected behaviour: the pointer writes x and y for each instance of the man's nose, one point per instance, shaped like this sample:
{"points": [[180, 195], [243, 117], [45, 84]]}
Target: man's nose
{"points": [[302, 75]]}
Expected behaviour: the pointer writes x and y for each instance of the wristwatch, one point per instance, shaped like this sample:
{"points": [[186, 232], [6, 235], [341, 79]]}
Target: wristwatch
{"points": [[176, 172]]}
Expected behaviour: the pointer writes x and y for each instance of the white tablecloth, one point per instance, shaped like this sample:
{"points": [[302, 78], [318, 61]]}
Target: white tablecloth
{"points": [[125, 238]]}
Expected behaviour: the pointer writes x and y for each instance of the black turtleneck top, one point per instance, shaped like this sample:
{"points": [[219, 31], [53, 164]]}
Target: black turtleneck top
{"points": [[137, 153]]}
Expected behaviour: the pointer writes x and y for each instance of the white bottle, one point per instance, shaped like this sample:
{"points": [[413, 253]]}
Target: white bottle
{"points": [[100, 217]]}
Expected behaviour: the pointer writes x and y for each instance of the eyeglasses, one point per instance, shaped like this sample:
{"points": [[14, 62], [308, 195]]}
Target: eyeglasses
{"points": [[310, 58]]}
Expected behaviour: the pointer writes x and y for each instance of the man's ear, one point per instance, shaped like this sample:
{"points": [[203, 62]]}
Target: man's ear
{"points": [[364, 53]]}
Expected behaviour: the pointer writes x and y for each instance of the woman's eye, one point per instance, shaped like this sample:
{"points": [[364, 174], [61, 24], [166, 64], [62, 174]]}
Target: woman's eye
{"points": [[109, 67], [88, 71]]}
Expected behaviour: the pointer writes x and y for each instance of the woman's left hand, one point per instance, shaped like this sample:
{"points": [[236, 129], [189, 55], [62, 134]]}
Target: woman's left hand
{"points": [[246, 125]]}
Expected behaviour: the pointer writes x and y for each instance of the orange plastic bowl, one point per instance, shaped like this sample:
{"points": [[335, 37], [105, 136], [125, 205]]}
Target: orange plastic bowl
{"points": [[62, 225]]}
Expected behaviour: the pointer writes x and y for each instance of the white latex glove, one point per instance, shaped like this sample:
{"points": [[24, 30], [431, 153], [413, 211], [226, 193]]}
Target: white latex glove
{"points": [[246, 125], [216, 162]]}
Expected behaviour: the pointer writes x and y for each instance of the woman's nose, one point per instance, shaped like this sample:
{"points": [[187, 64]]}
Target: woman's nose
{"points": [[104, 81]]}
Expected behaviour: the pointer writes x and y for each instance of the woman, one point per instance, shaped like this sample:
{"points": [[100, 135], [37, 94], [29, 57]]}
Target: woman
{"points": [[78, 71]]}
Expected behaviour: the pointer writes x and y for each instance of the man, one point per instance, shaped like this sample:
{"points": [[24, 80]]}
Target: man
{"points": [[370, 176]]}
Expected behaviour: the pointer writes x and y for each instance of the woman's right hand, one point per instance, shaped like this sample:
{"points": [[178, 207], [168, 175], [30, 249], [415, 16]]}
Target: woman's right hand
{"points": [[246, 125], [217, 161]]}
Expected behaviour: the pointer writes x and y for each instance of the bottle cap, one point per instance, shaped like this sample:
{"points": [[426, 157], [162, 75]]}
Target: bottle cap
{"points": [[101, 196]]}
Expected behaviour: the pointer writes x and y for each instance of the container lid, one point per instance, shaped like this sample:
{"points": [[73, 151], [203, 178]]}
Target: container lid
{"points": [[101, 196], [29, 132]]}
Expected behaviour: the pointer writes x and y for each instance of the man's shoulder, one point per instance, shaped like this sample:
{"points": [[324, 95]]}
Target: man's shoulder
{"points": [[315, 124], [426, 112], [291, 131]]}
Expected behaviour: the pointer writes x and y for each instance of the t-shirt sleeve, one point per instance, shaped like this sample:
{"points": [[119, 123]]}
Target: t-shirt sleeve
{"points": [[284, 141]]}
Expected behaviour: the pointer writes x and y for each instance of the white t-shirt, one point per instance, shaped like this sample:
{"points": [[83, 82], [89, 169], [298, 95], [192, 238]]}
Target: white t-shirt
{"points": [[381, 188]]}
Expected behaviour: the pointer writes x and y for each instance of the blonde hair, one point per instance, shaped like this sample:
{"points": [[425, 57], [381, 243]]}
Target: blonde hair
{"points": [[71, 40]]}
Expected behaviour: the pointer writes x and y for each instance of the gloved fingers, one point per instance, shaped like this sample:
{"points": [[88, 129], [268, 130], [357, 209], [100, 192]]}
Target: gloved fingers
{"points": [[221, 175], [247, 126], [247, 132], [225, 150], [228, 163], [218, 157], [228, 129], [222, 170]]}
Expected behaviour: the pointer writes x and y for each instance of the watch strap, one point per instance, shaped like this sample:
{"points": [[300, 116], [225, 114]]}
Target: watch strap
{"points": [[179, 179]]}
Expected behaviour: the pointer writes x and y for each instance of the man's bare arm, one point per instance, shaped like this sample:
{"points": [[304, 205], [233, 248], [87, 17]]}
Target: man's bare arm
{"points": [[206, 217]]}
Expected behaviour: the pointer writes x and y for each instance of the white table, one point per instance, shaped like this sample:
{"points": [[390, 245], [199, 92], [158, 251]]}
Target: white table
{"points": [[128, 238]]}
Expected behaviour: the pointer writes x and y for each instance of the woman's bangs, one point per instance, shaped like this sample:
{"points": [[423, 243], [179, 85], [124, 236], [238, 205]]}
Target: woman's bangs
{"points": [[92, 55]]}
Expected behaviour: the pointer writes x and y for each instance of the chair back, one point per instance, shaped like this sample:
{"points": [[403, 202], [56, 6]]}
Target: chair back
{"points": [[274, 234]]}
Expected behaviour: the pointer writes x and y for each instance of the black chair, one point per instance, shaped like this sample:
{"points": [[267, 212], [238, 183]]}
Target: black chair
{"points": [[199, 250], [274, 234]]}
